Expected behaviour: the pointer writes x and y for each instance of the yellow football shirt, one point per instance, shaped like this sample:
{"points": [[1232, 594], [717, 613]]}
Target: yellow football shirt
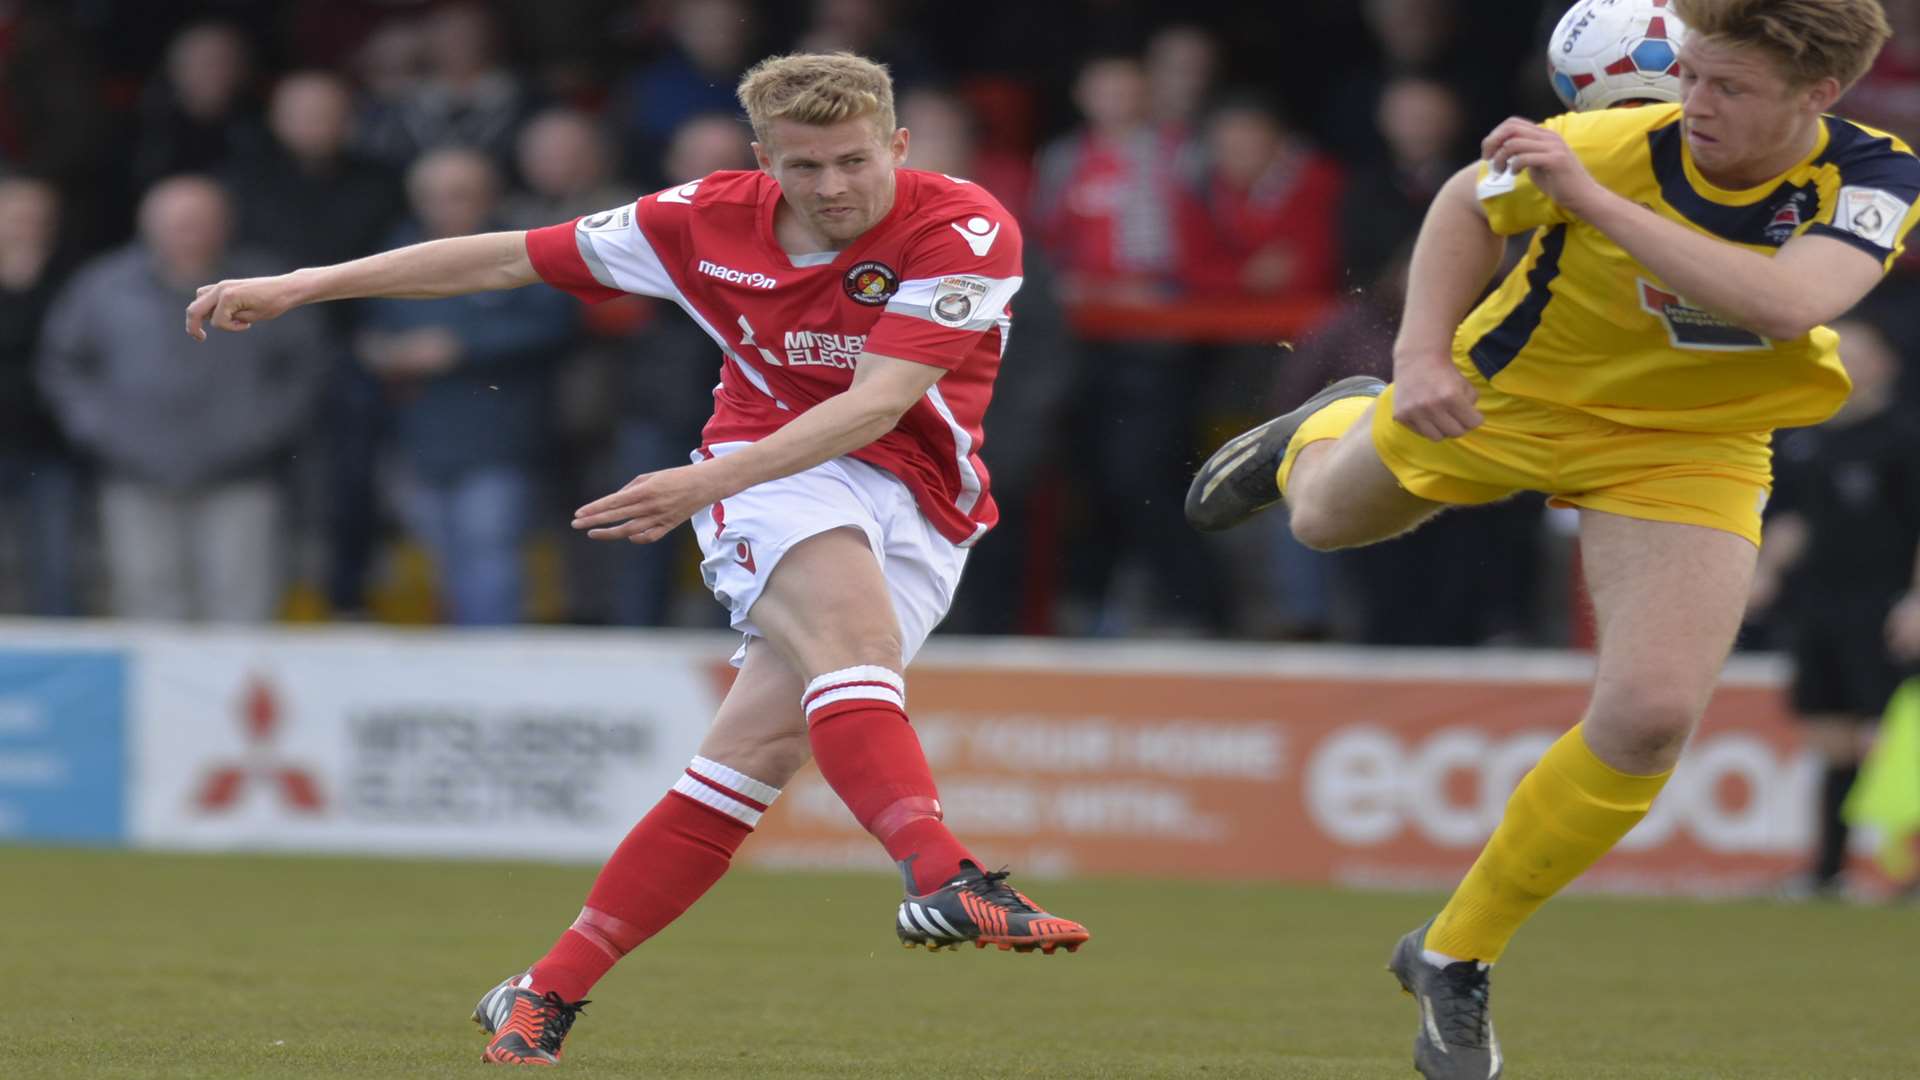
{"points": [[1580, 323]]}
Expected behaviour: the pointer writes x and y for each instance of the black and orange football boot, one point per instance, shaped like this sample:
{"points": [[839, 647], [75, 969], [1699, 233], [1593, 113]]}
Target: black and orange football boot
{"points": [[527, 1028], [982, 908]]}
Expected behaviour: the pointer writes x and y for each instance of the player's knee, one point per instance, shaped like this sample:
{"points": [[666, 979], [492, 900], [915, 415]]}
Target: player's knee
{"points": [[1316, 529], [1655, 746], [1646, 728]]}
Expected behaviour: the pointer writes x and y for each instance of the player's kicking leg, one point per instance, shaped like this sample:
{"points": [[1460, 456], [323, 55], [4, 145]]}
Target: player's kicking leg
{"points": [[1239, 480], [669, 860], [1320, 457], [1667, 602], [828, 609]]}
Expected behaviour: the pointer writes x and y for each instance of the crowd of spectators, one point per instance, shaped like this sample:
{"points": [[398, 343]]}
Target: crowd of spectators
{"points": [[1218, 210]]}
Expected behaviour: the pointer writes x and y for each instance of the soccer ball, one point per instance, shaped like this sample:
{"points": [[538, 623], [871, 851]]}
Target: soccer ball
{"points": [[1610, 52]]}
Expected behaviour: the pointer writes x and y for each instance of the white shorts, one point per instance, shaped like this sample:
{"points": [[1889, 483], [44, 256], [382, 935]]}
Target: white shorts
{"points": [[744, 536]]}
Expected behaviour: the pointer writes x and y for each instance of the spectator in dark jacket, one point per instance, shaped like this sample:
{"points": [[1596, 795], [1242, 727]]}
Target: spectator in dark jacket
{"points": [[710, 44], [1422, 124], [38, 484], [188, 436], [1840, 575], [469, 381], [868, 28], [468, 97], [663, 373], [312, 202], [198, 114], [567, 160], [566, 163], [304, 196]]}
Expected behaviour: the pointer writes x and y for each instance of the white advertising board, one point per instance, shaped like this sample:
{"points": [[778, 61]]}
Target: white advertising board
{"points": [[513, 746]]}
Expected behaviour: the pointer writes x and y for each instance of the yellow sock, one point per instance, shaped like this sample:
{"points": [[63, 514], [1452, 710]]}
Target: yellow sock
{"points": [[1570, 810], [1330, 422]]}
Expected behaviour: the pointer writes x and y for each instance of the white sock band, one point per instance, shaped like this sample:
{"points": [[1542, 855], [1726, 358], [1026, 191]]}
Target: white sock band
{"points": [[869, 683], [727, 790]]}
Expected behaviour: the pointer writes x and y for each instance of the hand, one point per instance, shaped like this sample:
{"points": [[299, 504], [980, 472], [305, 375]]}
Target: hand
{"points": [[651, 505], [1903, 628], [237, 303], [1522, 144], [1764, 590], [1433, 398]]}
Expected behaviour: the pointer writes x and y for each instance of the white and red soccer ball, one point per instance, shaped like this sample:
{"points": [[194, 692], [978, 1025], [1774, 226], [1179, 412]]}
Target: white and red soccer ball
{"points": [[1609, 52]]}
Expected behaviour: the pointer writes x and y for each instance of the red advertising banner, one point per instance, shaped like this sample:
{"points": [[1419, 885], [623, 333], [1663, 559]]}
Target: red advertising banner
{"points": [[1352, 778]]}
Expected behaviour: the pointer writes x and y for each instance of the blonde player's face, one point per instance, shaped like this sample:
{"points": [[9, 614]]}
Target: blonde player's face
{"points": [[1739, 111], [837, 177]]}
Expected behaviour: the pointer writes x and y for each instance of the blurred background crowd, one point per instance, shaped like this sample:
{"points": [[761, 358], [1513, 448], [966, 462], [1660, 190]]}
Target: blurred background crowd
{"points": [[1218, 203]]}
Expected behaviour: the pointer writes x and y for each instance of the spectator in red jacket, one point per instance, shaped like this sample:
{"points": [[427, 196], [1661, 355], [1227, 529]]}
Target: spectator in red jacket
{"points": [[1104, 200], [1259, 220]]}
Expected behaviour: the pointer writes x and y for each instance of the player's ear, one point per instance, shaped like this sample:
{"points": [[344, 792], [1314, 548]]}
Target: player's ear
{"points": [[898, 147], [760, 158], [1822, 94]]}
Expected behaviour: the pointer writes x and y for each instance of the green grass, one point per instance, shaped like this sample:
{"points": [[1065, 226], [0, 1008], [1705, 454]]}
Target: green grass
{"points": [[119, 965]]}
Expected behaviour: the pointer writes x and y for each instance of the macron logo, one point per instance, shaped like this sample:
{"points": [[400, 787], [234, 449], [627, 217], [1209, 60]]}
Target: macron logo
{"points": [[979, 233], [737, 277]]}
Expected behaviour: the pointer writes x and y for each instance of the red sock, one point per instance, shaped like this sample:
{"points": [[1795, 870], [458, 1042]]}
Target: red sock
{"points": [[869, 755], [669, 860]]}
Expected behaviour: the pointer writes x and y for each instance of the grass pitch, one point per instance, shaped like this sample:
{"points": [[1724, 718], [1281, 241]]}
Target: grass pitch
{"points": [[145, 966]]}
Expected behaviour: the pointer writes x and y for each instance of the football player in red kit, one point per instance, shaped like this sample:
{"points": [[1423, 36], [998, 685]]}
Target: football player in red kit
{"points": [[861, 311]]}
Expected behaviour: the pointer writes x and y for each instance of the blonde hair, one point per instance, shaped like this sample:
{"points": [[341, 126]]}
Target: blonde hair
{"points": [[1811, 39], [817, 88]]}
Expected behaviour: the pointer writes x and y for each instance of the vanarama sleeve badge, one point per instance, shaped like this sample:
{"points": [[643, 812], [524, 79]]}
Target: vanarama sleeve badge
{"points": [[956, 299]]}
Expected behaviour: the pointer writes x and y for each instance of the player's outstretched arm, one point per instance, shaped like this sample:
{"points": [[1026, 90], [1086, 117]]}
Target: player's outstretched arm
{"points": [[1455, 255], [437, 268], [654, 504], [1810, 281]]}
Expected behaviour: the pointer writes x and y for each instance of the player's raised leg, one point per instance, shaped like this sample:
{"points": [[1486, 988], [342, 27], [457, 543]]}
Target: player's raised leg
{"points": [[1668, 599], [828, 609], [1320, 457], [668, 861]]}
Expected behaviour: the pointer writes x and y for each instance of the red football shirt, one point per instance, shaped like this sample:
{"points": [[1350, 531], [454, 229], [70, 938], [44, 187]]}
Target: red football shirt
{"points": [[929, 283]]}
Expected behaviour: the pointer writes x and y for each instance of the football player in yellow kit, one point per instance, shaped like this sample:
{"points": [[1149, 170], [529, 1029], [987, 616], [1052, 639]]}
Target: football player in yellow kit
{"points": [[1667, 317]]}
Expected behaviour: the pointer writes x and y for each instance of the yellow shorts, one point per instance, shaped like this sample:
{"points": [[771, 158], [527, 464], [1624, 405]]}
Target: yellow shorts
{"points": [[1720, 481]]}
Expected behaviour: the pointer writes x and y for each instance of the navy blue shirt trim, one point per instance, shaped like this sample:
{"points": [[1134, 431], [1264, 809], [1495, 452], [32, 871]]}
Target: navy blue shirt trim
{"points": [[1498, 346], [1871, 161], [1851, 239]]}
